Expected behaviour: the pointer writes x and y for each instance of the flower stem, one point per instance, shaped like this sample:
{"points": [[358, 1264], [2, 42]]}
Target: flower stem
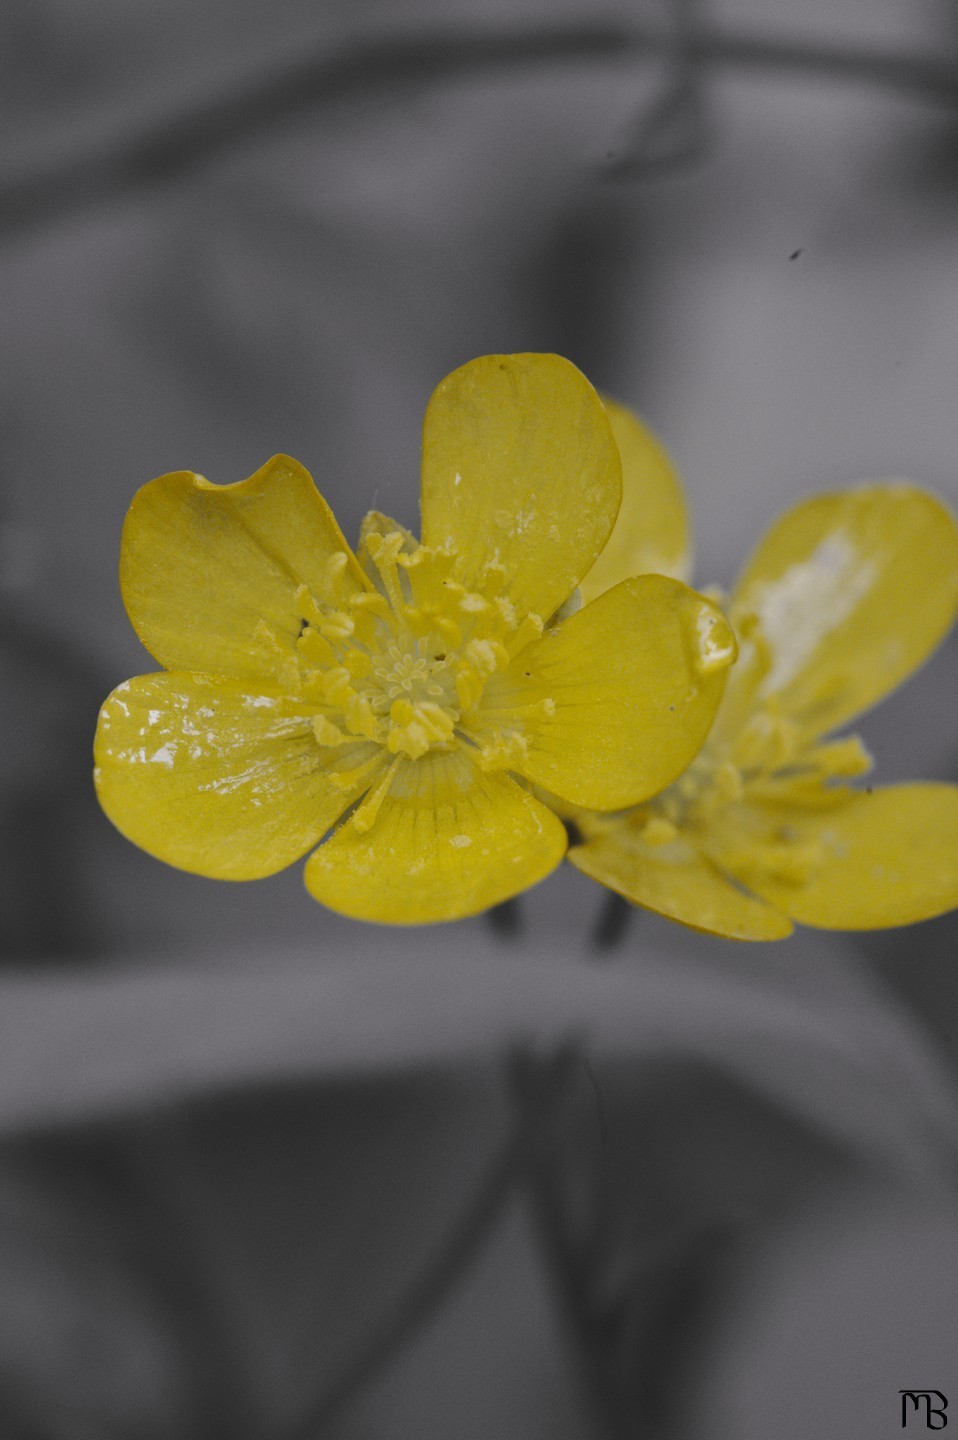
{"points": [[613, 922], [569, 1265], [539, 1106], [505, 920]]}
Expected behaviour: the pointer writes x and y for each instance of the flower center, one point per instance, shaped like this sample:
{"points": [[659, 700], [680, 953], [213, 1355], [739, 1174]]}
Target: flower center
{"points": [[402, 667], [404, 672], [768, 761]]}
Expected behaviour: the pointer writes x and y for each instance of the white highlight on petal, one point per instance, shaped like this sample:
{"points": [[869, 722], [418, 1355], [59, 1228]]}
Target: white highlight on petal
{"points": [[807, 602]]}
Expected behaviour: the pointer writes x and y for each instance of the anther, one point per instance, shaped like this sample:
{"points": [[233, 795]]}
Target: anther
{"points": [[365, 816]]}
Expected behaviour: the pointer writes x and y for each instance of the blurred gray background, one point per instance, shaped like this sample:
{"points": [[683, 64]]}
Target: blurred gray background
{"points": [[238, 1126]]}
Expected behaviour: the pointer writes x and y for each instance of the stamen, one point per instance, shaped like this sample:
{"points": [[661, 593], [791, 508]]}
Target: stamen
{"points": [[469, 686], [328, 734], [769, 741], [844, 757], [371, 601], [503, 751], [728, 781], [351, 777], [450, 632], [792, 861], [471, 604], [487, 656], [360, 716], [657, 831], [337, 625], [400, 664], [384, 551], [308, 606], [365, 816], [358, 663], [336, 567], [414, 729], [418, 622], [312, 646], [494, 577]]}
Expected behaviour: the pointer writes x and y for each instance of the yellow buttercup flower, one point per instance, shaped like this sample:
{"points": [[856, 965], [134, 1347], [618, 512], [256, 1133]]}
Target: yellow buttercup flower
{"points": [[419, 690], [844, 597]]}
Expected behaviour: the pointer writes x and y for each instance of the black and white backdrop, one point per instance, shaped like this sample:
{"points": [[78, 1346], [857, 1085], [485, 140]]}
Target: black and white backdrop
{"points": [[268, 1174]]}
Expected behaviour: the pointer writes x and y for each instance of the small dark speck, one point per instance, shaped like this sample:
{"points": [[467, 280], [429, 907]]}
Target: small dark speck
{"points": [[440, 657], [671, 707], [869, 789], [528, 674], [795, 253]]}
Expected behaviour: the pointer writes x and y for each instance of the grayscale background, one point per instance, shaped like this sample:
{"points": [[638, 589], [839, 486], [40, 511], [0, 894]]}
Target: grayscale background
{"points": [[237, 1131]]}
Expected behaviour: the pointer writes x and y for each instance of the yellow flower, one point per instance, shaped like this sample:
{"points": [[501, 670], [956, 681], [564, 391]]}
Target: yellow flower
{"points": [[844, 597], [418, 689]]}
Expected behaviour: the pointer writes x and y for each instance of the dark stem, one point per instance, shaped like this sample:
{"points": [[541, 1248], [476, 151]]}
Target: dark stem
{"points": [[568, 1265], [540, 1105], [672, 131], [613, 923], [505, 920]]}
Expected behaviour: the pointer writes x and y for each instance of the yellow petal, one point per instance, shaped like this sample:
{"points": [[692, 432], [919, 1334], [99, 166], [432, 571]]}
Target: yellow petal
{"points": [[651, 534], [447, 841], [616, 702], [520, 472], [676, 881], [210, 573], [214, 778], [888, 858], [853, 590]]}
